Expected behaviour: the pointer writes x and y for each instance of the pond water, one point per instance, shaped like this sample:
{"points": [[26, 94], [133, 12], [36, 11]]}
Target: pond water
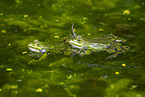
{"points": [[23, 21]]}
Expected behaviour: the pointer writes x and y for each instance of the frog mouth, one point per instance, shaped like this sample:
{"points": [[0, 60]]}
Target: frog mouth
{"points": [[34, 50]]}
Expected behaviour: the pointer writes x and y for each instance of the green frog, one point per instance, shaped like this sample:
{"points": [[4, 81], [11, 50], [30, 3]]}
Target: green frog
{"points": [[43, 49], [84, 46], [80, 45]]}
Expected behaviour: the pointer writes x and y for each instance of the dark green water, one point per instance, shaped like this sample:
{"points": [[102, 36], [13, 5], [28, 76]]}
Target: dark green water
{"points": [[22, 21]]}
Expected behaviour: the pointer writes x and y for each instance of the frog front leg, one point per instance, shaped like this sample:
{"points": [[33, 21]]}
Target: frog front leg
{"points": [[43, 57], [76, 51], [84, 51]]}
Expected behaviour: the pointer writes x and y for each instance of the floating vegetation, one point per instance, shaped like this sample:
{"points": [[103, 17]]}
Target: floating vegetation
{"points": [[24, 52], [4, 31], [123, 65], [39, 90], [67, 71], [116, 73], [126, 12], [9, 69]]}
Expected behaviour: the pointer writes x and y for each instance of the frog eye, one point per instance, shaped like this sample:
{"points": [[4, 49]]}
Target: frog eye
{"points": [[79, 40], [37, 43]]}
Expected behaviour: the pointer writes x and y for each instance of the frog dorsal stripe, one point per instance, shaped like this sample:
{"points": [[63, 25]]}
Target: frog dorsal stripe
{"points": [[74, 42], [34, 46], [76, 46]]}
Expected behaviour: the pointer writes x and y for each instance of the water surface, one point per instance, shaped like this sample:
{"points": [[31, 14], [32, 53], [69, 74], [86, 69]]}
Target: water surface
{"points": [[22, 21]]}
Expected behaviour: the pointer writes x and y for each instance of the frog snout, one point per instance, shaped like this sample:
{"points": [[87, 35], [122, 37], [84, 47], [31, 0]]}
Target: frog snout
{"points": [[30, 44]]}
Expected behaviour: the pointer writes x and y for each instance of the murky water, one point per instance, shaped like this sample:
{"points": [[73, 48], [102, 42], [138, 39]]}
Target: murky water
{"points": [[23, 21]]}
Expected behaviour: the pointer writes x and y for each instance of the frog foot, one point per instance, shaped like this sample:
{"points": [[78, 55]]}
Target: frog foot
{"points": [[114, 55], [110, 57]]}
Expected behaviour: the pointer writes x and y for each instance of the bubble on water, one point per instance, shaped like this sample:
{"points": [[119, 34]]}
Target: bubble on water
{"points": [[19, 80], [105, 76], [11, 18], [38, 5], [16, 31]]}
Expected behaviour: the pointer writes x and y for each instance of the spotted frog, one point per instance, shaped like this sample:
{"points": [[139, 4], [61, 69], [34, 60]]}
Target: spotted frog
{"points": [[43, 49], [84, 46]]}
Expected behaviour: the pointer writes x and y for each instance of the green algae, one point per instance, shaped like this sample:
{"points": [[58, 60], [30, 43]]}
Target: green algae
{"points": [[22, 21]]}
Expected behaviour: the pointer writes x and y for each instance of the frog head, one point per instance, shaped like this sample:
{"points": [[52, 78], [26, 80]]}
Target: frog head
{"points": [[76, 41], [37, 47], [79, 43]]}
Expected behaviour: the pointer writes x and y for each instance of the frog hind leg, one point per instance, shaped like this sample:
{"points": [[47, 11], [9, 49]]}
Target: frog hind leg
{"points": [[114, 55], [121, 49], [114, 38], [111, 37], [43, 57], [126, 48], [111, 49]]}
